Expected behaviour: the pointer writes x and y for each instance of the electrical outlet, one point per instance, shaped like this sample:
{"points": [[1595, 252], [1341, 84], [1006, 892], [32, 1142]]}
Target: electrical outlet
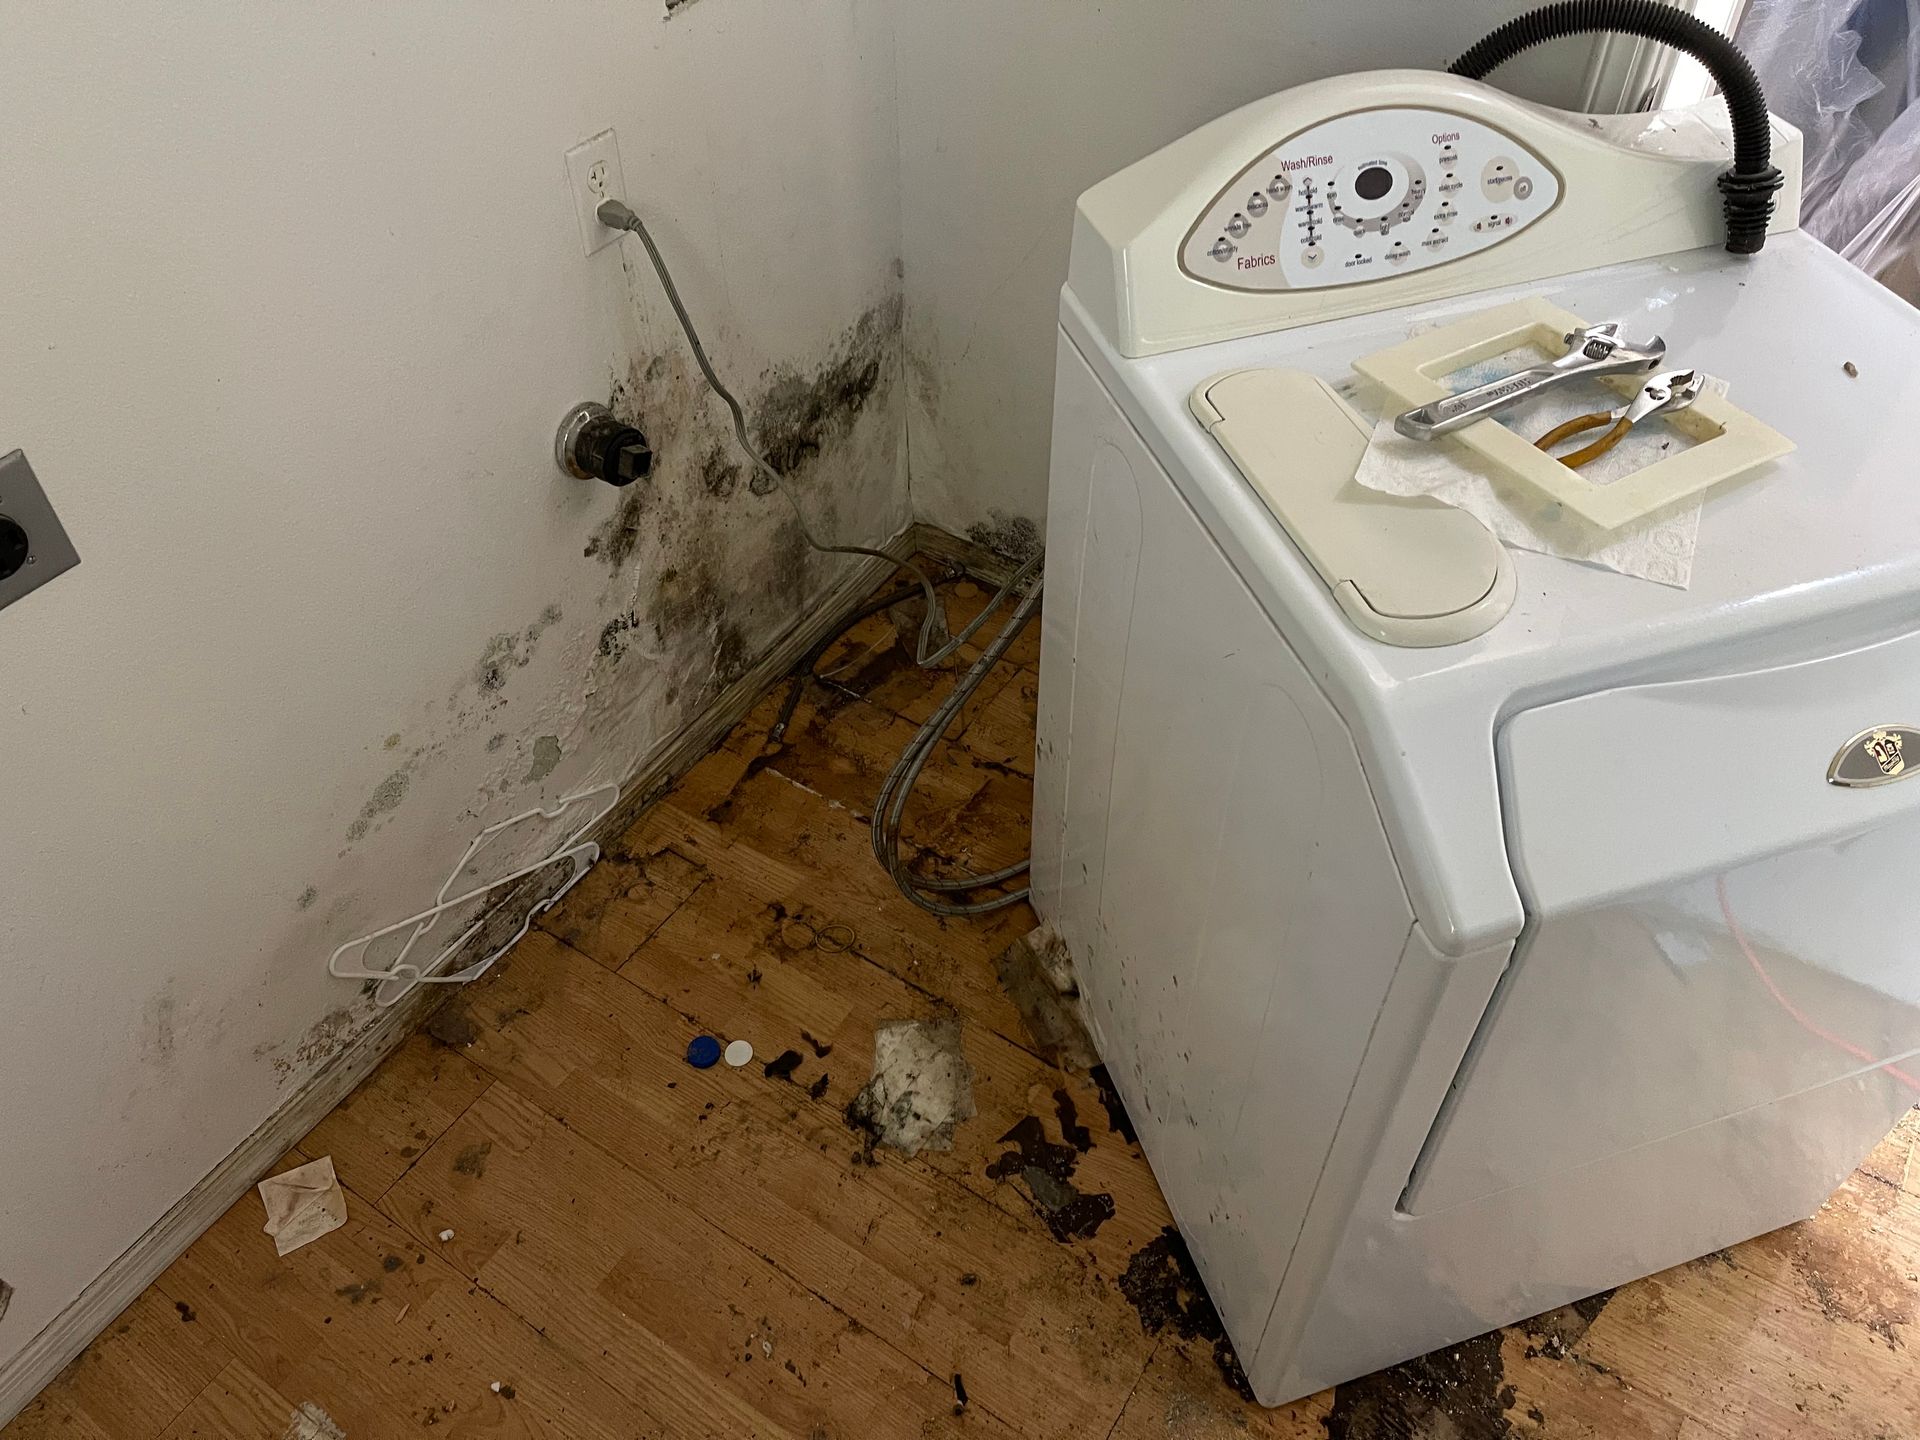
{"points": [[33, 545], [593, 167]]}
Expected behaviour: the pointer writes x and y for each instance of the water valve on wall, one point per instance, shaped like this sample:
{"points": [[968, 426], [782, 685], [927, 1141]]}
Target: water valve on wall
{"points": [[33, 544], [592, 445]]}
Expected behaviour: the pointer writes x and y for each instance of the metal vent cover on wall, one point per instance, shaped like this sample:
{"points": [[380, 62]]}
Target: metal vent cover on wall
{"points": [[33, 544]]}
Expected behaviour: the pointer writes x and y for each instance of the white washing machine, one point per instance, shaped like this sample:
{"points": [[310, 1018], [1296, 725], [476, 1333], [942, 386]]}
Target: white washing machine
{"points": [[1448, 979]]}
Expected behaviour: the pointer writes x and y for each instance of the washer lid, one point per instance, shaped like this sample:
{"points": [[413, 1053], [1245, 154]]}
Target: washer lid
{"points": [[1406, 569]]}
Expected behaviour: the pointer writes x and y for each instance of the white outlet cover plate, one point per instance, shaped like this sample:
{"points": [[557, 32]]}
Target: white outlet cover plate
{"points": [[602, 151]]}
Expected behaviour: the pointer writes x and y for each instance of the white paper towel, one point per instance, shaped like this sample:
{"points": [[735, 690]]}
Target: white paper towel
{"points": [[303, 1204], [1658, 549]]}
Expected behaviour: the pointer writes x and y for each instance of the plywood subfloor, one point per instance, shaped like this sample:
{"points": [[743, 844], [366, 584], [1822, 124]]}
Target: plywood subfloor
{"points": [[640, 1248]]}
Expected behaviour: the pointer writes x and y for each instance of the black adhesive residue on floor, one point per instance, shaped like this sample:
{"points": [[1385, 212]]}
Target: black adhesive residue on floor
{"points": [[1459, 1391], [1118, 1120], [1071, 1130], [782, 1066], [1166, 1290], [1047, 1170]]}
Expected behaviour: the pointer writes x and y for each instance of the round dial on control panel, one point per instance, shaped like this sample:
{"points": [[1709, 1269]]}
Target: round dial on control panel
{"points": [[1375, 193], [1373, 182]]}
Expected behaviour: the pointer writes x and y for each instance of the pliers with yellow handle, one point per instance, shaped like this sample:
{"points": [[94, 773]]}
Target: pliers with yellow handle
{"points": [[1672, 390]]}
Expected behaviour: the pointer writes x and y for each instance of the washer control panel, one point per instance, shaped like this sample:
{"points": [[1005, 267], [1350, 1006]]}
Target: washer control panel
{"points": [[1365, 196]]}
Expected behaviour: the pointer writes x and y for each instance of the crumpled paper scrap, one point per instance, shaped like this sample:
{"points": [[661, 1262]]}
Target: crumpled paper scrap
{"points": [[922, 1086], [1659, 548], [303, 1204]]}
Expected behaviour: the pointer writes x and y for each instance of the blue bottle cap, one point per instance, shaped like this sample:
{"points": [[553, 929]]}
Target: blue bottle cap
{"points": [[703, 1052]]}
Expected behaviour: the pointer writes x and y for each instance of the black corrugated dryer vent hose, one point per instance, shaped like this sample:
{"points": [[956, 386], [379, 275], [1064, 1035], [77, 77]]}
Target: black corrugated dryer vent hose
{"points": [[1746, 191]]}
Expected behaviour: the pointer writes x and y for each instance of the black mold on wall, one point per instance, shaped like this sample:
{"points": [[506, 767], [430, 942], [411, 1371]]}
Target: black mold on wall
{"points": [[159, 1027], [616, 634], [705, 571], [385, 799], [333, 1032], [798, 417], [720, 473], [699, 577], [1012, 537], [616, 540], [510, 651]]}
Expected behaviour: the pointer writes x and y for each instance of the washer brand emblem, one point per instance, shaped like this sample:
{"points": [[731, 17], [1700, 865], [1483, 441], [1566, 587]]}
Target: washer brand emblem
{"points": [[1874, 757]]}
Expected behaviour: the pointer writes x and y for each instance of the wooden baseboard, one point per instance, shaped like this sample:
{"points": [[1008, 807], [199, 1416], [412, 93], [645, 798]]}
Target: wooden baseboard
{"points": [[68, 1333], [976, 559]]}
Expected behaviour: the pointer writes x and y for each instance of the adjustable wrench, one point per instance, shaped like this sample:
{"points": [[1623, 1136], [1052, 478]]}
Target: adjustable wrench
{"points": [[1596, 350]]}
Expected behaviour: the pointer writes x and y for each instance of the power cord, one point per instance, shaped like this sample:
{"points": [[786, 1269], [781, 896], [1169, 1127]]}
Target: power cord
{"points": [[617, 215], [898, 786]]}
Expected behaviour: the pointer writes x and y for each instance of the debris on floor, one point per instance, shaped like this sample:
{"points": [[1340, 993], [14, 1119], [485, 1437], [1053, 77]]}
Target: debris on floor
{"points": [[452, 1026], [1461, 1390], [702, 1052], [310, 1422], [445, 1235], [1166, 1291], [922, 1087], [303, 1204], [739, 1053], [796, 932], [782, 1066], [1037, 973], [6, 1298]]}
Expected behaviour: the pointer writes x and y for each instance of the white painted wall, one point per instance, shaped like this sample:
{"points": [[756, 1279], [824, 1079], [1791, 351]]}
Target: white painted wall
{"points": [[1010, 108], [293, 299]]}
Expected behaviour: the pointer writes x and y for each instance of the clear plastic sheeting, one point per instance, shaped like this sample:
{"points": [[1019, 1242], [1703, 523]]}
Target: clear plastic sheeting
{"points": [[1690, 132], [1847, 72]]}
